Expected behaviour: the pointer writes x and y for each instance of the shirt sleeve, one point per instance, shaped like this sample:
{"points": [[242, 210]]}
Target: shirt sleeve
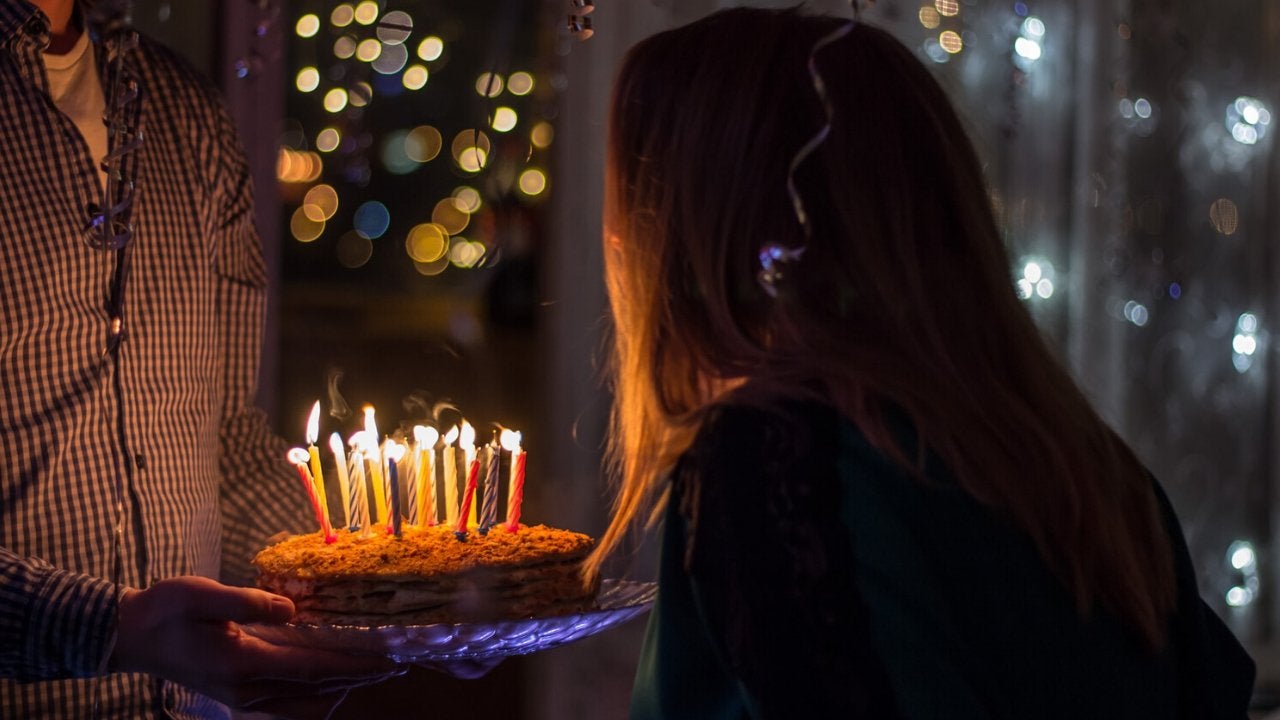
{"points": [[771, 568], [260, 494], [53, 624]]}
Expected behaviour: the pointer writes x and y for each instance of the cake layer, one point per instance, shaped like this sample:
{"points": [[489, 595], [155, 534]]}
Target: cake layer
{"points": [[429, 576]]}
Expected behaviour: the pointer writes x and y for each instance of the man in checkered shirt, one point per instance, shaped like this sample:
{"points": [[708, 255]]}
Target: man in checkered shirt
{"points": [[169, 414]]}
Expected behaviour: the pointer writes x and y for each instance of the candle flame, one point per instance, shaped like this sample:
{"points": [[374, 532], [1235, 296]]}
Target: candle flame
{"points": [[510, 440], [357, 440], [299, 456], [451, 436], [370, 426], [393, 451], [335, 443], [468, 436], [425, 436], [313, 424]]}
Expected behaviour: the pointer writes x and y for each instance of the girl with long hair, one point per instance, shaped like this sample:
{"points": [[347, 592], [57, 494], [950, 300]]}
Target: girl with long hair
{"points": [[882, 495]]}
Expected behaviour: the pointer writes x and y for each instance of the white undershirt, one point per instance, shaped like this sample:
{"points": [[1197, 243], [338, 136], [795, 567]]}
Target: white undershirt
{"points": [[76, 90]]}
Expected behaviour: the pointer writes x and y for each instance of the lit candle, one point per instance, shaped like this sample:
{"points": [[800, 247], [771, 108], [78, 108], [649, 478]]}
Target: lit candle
{"points": [[358, 510], [313, 455], [375, 463], [489, 513], [515, 497], [467, 440], [449, 459], [344, 480], [299, 458], [393, 451], [473, 477], [426, 439]]}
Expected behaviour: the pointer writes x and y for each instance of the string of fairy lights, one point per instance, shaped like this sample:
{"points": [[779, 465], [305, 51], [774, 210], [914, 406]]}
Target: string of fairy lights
{"points": [[1164, 294], [358, 56]]}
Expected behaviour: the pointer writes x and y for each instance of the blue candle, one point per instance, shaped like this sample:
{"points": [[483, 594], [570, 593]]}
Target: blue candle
{"points": [[393, 452]]}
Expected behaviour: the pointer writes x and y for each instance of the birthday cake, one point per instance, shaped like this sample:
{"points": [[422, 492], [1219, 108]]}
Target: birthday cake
{"points": [[429, 575]]}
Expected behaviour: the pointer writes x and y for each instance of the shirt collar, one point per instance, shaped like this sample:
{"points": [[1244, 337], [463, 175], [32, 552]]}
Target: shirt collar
{"points": [[18, 14]]}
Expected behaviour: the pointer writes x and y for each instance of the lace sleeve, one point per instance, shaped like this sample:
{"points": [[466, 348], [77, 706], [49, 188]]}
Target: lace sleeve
{"points": [[771, 565]]}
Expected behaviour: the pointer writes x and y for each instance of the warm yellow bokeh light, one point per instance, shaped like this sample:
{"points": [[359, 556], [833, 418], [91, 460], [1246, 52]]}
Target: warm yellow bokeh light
{"points": [[426, 243], [950, 8], [423, 143], [303, 228], [1224, 215], [342, 15], [929, 17], [950, 41], [432, 268], [504, 119], [368, 50], [328, 139], [366, 12], [335, 100], [465, 254], [467, 139], [322, 201], [520, 83], [294, 166], [344, 47], [542, 135], [308, 25], [532, 182], [467, 199], [489, 85], [447, 215], [415, 77], [431, 48], [472, 159], [308, 79]]}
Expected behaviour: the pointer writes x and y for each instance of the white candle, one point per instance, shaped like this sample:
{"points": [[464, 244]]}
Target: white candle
{"points": [[450, 460], [467, 441], [344, 480]]}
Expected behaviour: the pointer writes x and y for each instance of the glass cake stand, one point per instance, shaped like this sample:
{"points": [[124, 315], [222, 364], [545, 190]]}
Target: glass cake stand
{"points": [[618, 602]]}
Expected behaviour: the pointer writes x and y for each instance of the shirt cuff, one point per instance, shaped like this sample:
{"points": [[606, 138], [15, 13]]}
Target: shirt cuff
{"points": [[71, 625]]}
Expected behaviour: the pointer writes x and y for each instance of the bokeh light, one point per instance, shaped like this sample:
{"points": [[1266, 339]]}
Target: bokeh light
{"points": [[950, 41], [1248, 119], [929, 17], [308, 25], [467, 199], [297, 166], [368, 50], [328, 139], [542, 135], [520, 83], [432, 269], [447, 215], [361, 94], [532, 182], [423, 144], [394, 27], [303, 228], [392, 59], [353, 250], [344, 47], [372, 219], [949, 8], [427, 243], [470, 150], [489, 85], [366, 12], [342, 15], [395, 153], [1224, 215], [466, 254], [504, 119], [431, 48], [308, 79], [335, 100], [320, 203], [415, 77]]}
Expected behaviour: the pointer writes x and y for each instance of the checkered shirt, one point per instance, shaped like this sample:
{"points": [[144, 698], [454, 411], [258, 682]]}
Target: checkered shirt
{"points": [[205, 481]]}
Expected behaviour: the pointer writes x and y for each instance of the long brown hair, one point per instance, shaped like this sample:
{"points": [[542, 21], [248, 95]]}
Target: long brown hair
{"points": [[902, 299]]}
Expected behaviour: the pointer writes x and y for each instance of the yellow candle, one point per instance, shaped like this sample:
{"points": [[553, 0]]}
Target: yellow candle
{"points": [[426, 439], [510, 441], [450, 459], [374, 455], [344, 480], [313, 454], [467, 440]]}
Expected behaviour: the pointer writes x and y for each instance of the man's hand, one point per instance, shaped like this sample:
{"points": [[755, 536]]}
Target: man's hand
{"points": [[186, 630]]}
